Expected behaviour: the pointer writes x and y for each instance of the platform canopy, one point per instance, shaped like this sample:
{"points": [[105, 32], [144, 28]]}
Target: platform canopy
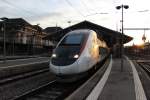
{"points": [[110, 36]]}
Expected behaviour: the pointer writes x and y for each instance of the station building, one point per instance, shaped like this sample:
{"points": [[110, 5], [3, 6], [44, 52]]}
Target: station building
{"points": [[21, 38], [112, 38]]}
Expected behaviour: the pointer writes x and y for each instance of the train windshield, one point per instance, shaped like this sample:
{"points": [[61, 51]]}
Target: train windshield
{"points": [[68, 50], [70, 45], [73, 39]]}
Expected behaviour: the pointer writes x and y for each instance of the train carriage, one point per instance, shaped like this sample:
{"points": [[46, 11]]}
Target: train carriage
{"points": [[76, 53]]}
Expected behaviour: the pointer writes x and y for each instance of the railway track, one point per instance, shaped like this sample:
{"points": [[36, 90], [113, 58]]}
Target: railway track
{"points": [[136, 57], [145, 66], [143, 62], [22, 76], [139, 57], [43, 90], [50, 91], [53, 90]]}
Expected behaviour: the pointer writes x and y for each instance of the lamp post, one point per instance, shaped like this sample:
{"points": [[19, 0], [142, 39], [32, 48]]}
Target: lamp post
{"points": [[122, 39], [4, 37]]}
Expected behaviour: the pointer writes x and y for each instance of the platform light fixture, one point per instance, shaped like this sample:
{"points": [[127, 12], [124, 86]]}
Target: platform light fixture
{"points": [[4, 37], [122, 38]]}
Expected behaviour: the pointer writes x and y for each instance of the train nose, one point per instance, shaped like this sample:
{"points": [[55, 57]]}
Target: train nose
{"points": [[64, 70], [62, 61]]}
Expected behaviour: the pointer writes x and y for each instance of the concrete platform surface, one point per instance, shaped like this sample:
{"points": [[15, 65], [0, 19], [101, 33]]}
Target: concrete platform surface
{"points": [[120, 85]]}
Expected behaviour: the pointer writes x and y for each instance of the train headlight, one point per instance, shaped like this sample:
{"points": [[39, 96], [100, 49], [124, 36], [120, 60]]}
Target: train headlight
{"points": [[76, 56], [54, 55]]}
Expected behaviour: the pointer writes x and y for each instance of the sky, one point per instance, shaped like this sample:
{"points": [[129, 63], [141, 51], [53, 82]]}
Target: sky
{"points": [[49, 13]]}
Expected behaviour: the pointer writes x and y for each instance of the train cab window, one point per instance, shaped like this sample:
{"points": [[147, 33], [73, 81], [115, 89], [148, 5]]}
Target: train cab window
{"points": [[70, 46], [73, 39]]}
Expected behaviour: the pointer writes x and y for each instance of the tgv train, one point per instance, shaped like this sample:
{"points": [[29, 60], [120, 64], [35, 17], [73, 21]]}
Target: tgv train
{"points": [[76, 53]]}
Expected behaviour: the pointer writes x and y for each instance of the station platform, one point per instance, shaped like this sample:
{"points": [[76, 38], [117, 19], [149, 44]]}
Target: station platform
{"points": [[119, 85]]}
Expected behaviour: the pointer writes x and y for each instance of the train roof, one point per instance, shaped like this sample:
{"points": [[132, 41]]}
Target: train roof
{"points": [[110, 36]]}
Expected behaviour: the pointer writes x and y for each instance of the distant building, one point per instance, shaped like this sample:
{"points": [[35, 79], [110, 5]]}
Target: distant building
{"points": [[144, 37], [108, 35], [38, 37], [147, 45], [50, 31], [20, 31], [20, 35]]}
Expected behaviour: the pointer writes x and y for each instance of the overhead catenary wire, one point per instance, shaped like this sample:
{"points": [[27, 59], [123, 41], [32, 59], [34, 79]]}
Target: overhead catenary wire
{"points": [[30, 15], [85, 6], [15, 6], [69, 3], [93, 6]]}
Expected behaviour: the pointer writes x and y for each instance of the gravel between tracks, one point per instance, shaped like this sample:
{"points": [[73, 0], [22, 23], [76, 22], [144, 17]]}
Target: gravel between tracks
{"points": [[145, 79], [9, 91]]}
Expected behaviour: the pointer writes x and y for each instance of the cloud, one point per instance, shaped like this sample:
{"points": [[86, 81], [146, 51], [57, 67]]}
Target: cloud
{"points": [[43, 16]]}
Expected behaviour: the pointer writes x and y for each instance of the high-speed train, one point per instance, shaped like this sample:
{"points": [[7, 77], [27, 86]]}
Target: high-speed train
{"points": [[76, 53]]}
